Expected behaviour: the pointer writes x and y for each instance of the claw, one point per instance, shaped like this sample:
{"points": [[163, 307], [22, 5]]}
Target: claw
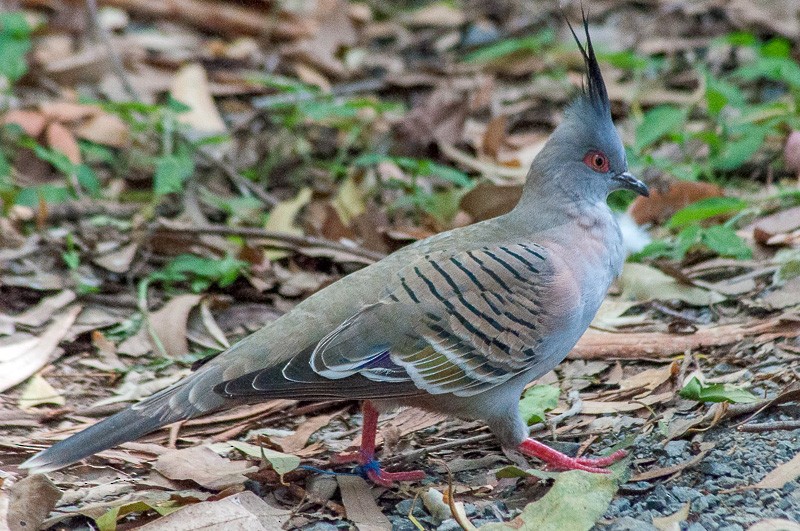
{"points": [[558, 461]]}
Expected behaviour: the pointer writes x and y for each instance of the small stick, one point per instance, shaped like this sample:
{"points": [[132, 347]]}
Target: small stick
{"points": [[770, 426], [255, 232]]}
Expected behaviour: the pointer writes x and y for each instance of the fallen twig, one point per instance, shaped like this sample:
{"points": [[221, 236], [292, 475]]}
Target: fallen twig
{"points": [[771, 426], [279, 239]]}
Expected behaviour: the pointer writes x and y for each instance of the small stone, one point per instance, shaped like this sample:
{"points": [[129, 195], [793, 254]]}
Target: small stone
{"points": [[676, 448], [402, 508], [696, 526], [470, 509], [400, 523], [716, 469], [321, 526], [630, 524], [449, 525], [685, 494]]}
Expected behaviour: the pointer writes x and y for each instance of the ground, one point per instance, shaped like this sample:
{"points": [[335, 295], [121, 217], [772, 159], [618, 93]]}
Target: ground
{"points": [[172, 181]]}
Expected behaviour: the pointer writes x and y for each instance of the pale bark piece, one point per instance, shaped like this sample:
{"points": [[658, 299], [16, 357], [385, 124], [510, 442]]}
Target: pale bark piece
{"points": [[360, 505], [203, 466], [598, 344], [781, 475], [170, 323], [25, 359], [241, 512], [30, 500]]}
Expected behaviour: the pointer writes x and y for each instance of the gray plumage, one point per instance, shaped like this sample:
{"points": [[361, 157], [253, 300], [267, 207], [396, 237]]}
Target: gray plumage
{"points": [[457, 323]]}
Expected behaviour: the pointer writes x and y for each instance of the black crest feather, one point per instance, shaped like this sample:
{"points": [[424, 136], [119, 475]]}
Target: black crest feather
{"points": [[595, 90]]}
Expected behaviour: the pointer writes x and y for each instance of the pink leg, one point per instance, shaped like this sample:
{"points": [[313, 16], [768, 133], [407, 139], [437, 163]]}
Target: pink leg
{"points": [[365, 457], [558, 461]]}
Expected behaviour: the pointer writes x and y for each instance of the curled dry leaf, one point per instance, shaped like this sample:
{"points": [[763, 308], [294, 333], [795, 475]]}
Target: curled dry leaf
{"points": [[169, 323], [20, 360]]}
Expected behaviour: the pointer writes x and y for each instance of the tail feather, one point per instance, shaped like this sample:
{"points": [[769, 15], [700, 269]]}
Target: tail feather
{"points": [[185, 400]]}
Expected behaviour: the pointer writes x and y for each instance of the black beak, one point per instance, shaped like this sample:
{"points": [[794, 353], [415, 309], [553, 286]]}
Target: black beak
{"points": [[629, 182]]}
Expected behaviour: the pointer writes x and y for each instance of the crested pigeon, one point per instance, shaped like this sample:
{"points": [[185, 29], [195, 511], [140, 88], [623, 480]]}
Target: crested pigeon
{"points": [[458, 323]]}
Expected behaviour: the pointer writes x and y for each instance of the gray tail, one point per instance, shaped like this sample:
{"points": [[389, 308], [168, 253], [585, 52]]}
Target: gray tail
{"points": [[170, 405]]}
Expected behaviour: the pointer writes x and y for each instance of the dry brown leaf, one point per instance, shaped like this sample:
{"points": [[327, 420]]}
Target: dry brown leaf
{"points": [[783, 222], [774, 524], [170, 323], [203, 466], [298, 440], [673, 521], [42, 312], [594, 407], [38, 391], [21, 360], [28, 502], [649, 379], [493, 136], [244, 511], [66, 111], [31, 122], [62, 140], [119, 260], [661, 205], [360, 504], [674, 469], [190, 87], [105, 129], [781, 475]]}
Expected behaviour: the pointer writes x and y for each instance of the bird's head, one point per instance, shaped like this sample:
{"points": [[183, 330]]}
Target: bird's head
{"points": [[584, 156]]}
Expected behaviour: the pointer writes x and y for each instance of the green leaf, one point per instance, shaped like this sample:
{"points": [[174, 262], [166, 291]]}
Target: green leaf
{"points": [[725, 242], [720, 93], [48, 193], [281, 462], [171, 172], [658, 122], [694, 389], [737, 152], [88, 179], [504, 48], [705, 209], [536, 401], [575, 502], [15, 42], [201, 272]]}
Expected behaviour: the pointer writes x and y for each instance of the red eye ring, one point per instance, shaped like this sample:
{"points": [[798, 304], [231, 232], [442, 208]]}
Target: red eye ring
{"points": [[596, 160]]}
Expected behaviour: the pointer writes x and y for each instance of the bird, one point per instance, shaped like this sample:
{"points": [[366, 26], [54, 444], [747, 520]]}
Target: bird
{"points": [[458, 323]]}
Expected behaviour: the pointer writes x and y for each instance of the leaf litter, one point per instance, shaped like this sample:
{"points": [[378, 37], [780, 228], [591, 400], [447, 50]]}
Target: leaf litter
{"points": [[267, 153]]}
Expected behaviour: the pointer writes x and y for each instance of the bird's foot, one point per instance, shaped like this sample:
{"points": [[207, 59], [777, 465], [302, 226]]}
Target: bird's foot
{"points": [[370, 468], [557, 461]]}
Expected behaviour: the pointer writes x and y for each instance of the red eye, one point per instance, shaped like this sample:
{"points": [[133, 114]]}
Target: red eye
{"points": [[596, 160]]}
